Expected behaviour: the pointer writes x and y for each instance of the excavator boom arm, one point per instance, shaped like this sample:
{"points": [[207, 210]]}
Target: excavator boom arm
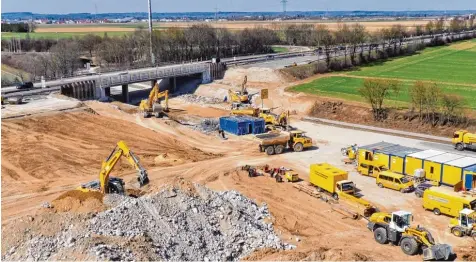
{"points": [[108, 165]]}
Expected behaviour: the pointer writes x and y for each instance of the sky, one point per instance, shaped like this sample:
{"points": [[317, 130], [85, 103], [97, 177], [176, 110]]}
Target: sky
{"points": [[120, 6]]}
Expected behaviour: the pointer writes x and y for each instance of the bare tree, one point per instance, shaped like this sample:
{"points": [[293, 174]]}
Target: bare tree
{"points": [[357, 36], [375, 91], [327, 39], [418, 96], [451, 105]]}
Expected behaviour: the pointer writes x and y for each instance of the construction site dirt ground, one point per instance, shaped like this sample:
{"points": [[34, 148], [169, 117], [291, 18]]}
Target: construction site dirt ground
{"points": [[45, 155]]}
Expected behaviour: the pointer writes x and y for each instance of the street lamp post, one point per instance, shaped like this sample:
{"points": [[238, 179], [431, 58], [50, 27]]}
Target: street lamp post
{"points": [[152, 58]]}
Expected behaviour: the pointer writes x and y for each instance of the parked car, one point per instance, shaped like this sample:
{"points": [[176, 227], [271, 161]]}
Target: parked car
{"points": [[25, 85], [421, 188]]}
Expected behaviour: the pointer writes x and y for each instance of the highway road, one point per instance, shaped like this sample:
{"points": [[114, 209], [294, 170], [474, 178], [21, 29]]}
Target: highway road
{"points": [[275, 61]]}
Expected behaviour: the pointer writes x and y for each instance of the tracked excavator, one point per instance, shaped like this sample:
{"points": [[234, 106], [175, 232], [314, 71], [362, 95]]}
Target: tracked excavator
{"points": [[395, 228], [241, 96], [152, 106], [115, 185]]}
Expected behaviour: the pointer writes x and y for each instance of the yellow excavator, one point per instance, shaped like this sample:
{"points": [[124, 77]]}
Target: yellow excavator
{"points": [[274, 121], [395, 227], [239, 109], [115, 185], [152, 104], [241, 96]]}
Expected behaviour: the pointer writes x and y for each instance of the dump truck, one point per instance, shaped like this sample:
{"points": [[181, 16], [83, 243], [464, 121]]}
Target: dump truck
{"points": [[395, 228], [276, 142], [463, 139]]}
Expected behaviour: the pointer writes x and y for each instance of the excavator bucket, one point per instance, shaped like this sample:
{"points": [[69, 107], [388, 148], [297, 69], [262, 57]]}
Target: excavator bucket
{"points": [[143, 178], [437, 252]]}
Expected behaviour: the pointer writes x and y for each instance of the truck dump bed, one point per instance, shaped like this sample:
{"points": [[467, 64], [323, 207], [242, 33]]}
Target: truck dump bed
{"points": [[272, 138]]}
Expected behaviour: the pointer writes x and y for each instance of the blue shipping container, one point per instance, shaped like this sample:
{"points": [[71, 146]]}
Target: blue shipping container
{"points": [[257, 125], [235, 125]]}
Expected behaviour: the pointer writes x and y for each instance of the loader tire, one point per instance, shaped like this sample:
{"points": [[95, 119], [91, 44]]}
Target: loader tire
{"points": [[409, 246], [459, 147], [380, 235], [298, 147], [457, 232], [335, 196], [270, 150], [279, 149]]}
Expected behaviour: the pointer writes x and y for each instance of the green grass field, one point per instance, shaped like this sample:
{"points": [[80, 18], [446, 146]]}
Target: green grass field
{"points": [[279, 49], [60, 35], [452, 67]]}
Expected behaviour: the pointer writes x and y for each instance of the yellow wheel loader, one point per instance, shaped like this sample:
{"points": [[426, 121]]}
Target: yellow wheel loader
{"points": [[152, 106], [274, 121], [464, 224], [395, 228], [106, 184], [350, 151]]}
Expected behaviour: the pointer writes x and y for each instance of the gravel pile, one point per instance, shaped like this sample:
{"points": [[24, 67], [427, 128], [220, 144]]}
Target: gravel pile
{"points": [[174, 224]]}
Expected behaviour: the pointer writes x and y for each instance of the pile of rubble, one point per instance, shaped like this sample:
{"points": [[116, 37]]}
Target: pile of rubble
{"points": [[202, 100], [207, 126], [174, 224]]}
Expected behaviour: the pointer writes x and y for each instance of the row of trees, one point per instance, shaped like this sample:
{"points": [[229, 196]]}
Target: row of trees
{"points": [[429, 103], [19, 27], [200, 42]]}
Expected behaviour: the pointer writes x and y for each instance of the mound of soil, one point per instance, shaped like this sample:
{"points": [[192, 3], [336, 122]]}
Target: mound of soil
{"points": [[359, 114], [78, 201], [74, 144]]}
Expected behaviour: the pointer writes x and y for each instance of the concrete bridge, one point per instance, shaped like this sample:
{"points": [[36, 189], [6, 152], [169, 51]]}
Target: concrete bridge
{"points": [[99, 86]]}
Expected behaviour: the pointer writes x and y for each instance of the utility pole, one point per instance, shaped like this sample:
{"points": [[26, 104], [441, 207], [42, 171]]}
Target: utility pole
{"points": [[284, 2], [152, 58]]}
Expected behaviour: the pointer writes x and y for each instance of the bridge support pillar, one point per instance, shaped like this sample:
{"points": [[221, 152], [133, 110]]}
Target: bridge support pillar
{"points": [[107, 91], [206, 77], [173, 84], [125, 93]]}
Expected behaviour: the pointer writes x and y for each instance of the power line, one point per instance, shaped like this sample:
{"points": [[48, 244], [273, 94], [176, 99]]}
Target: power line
{"points": [[284, 2]]}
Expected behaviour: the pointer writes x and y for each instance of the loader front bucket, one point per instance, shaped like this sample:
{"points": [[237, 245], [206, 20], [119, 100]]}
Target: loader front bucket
{"points": [[438, 252]]}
